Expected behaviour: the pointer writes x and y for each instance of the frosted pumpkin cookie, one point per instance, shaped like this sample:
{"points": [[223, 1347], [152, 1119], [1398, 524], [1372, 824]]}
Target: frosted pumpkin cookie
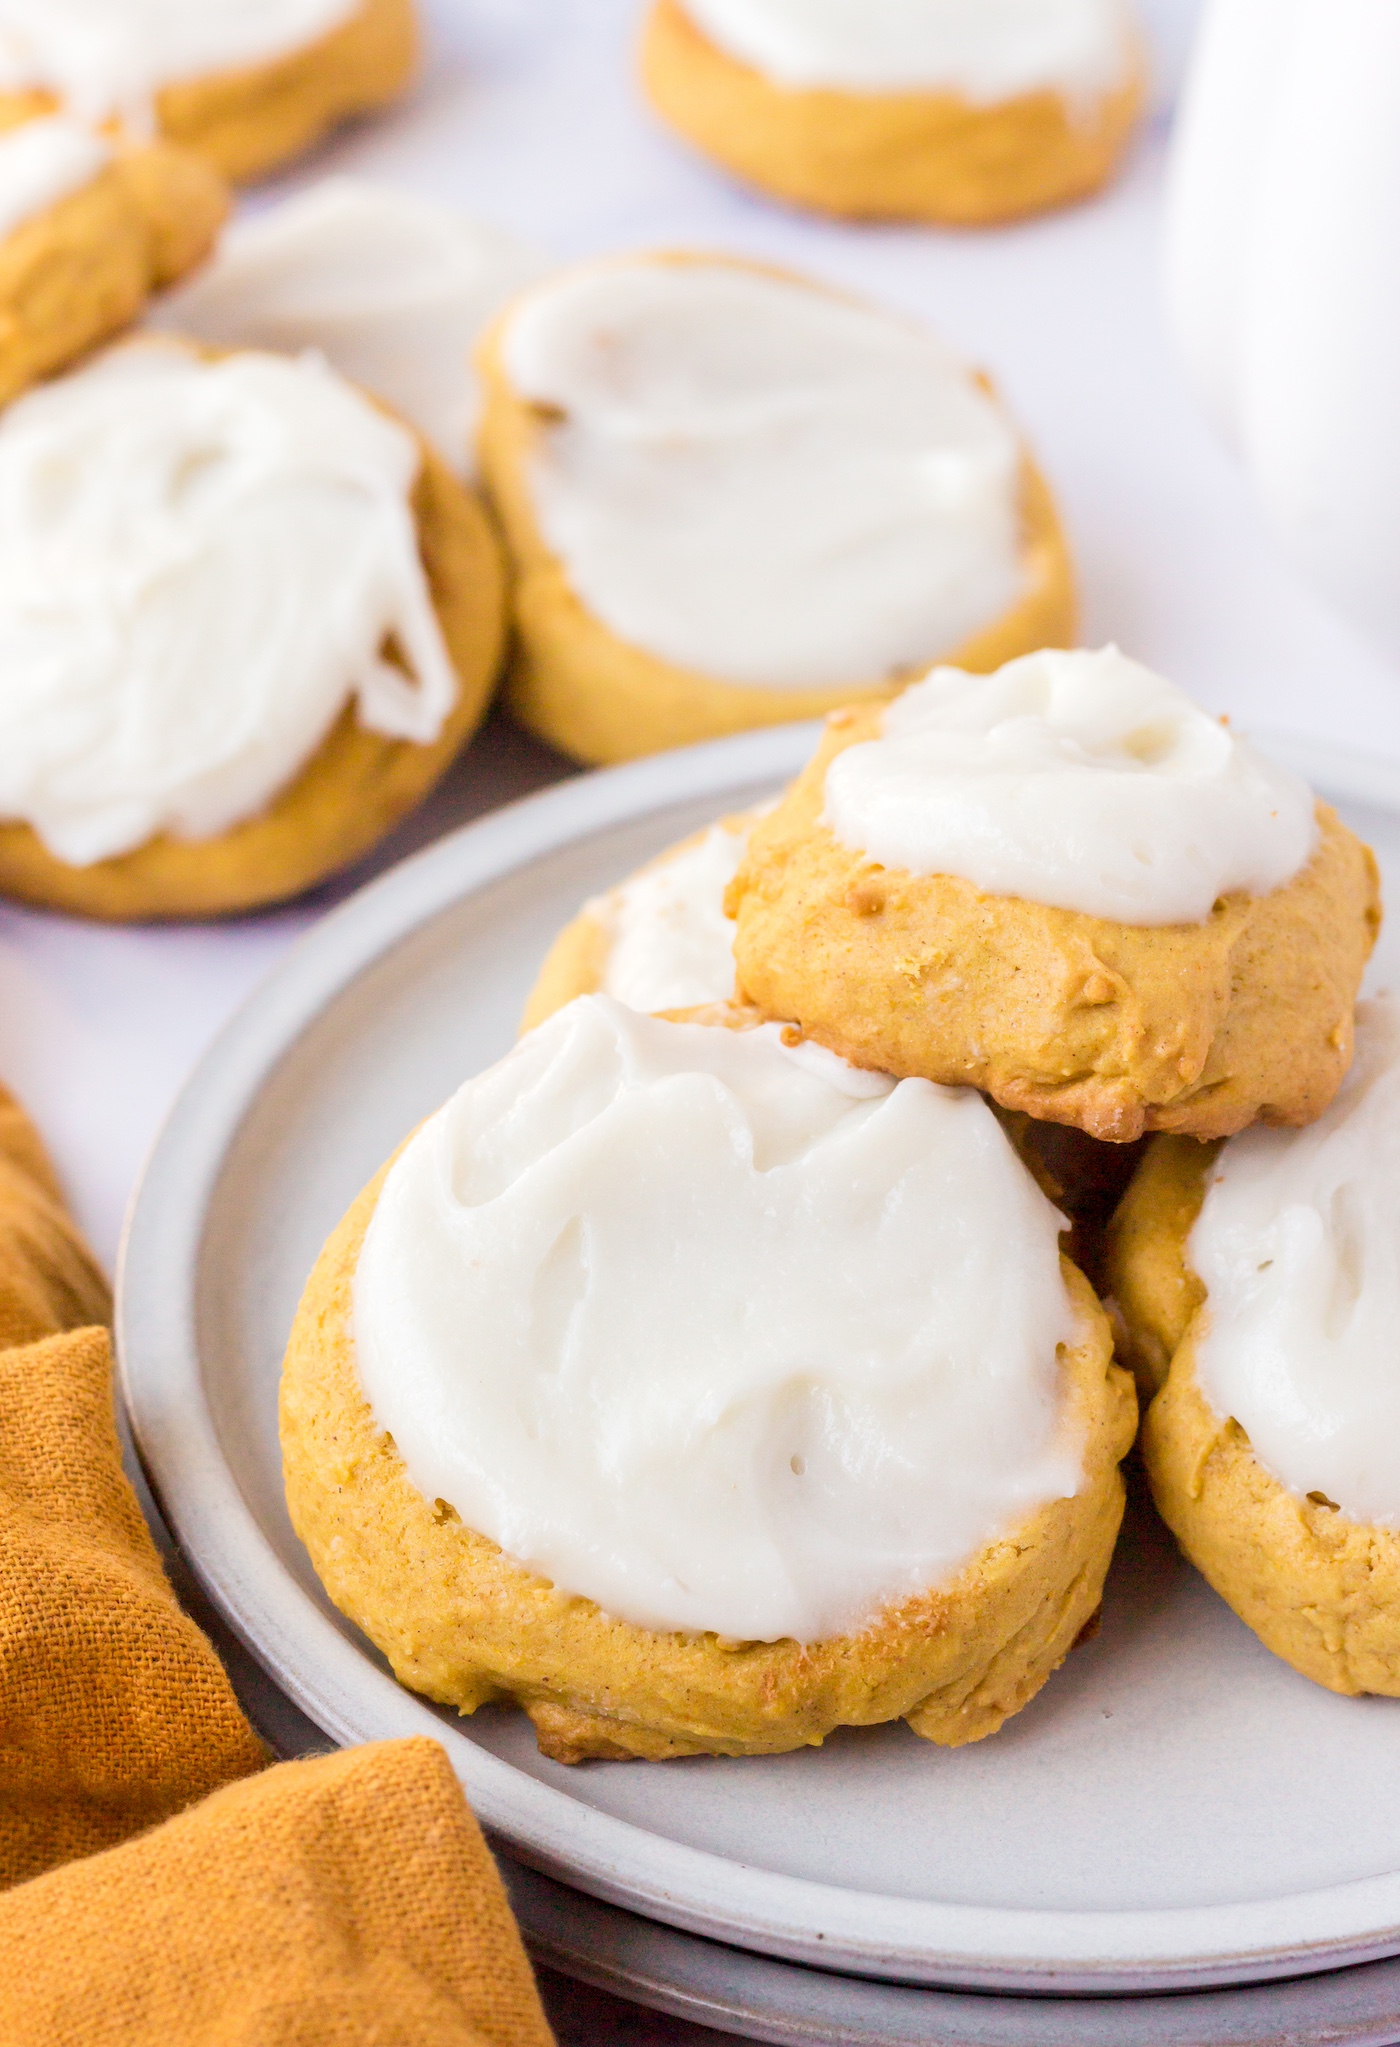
{"points": [[586, 1404], [246, 621], [964, 112], [391, 288], [734, 497], [1067, 885], [1270, 1277], [88, 228], [245, 83]]}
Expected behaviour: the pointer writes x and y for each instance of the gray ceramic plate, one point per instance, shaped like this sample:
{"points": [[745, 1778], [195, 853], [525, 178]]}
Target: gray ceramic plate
{"points": [[1176, 1809], [780, 2002]]}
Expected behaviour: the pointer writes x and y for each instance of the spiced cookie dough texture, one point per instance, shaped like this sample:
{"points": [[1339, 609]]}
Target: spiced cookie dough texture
{"points": [[735, 497], [960, 112], [583, 1407], [1067, 885], [1268, 1273], [244, 639], [246, 84], [89, 227]]}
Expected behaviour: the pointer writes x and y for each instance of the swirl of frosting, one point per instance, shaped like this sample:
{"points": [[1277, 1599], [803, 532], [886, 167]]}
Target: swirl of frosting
{"points": [[1081, 780], [201, 563], [1298, 1243], [760, 480], [985, 50], [106, 57], [720, 1333]]}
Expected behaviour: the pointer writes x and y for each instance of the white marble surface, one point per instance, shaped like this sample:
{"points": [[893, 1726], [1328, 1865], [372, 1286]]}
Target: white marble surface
{"points": [[528, 116]]}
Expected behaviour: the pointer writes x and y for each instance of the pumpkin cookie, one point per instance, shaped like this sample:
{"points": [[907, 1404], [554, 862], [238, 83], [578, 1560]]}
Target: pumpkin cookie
{"points": [[965, 113], [714, 480], [1265, 1275], [1066, 885], [88, 229], [289, 619], [246, 88], [644, 1526]]}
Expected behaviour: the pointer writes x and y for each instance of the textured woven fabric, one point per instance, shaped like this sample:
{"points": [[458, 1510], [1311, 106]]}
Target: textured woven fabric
{"points": [[114, 1710], [350, 1899], [49, 1280], [345, 1902]]}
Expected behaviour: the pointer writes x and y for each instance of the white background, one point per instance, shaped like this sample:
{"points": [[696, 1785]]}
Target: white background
{"points": [[527, 116]]}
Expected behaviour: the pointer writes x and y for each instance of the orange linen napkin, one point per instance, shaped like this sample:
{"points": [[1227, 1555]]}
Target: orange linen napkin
{"points": [[350, 1899], [345, 1902], [114, 1710], [49, 1280]]}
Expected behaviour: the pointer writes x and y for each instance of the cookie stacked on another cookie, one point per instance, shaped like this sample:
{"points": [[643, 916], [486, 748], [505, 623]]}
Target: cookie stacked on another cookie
{"points": [[1066, 885]]}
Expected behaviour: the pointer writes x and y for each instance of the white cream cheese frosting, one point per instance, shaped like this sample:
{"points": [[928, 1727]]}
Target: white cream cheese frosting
{"points": [[720, 1335], [201, 563], [111, 57], [759, 480], [392, 289], [985, 50], [1298, 1243], [670, 945], [44, 161], [1081, 780]]}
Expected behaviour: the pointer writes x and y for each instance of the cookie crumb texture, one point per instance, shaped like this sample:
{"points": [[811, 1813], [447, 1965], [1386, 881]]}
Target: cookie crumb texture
{"points": [[464, 1624], [1115, 1028], [885, 156]]}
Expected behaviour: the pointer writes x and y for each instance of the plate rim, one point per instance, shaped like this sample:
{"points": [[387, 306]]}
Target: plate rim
{"points": [[736, 1991], [333, 1680]]}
